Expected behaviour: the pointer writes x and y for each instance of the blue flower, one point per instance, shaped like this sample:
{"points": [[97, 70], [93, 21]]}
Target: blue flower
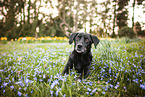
{"points": [[125, 71], [141, 56], [1, 70], [136, 80], [44, 76], [124, 87], [90, 83], [54, 83], [103, 92], [118, 82], [94, 90], [12, 87], [136, 55], [61, 78], [106, 83], [57, 92], [109, 70], [35, 78], [111, 85], [31, 91], [20, 83], [72, 73], [106, 88], [121, 60], [0, 79], [140, 80], [5, 84], [128, 79], [64, 95], [51, 92], [26, 95], [87, 93], [40, 80], [26, 80], [4, 91], [89, 89], [73, 83], [142, 86], [25, 88], [19, 93], [13, 79], [20, 88], [116, 86]]}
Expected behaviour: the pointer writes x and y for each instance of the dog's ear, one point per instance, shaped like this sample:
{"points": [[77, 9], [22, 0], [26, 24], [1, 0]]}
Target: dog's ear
{"points": [[95, 40], [71, 37]]}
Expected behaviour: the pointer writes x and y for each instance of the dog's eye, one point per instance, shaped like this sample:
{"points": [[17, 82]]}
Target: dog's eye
{"points": [[87, 40], [77, 38]]}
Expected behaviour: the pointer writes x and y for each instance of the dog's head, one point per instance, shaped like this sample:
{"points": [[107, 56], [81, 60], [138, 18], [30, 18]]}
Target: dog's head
{"points": [[83, 42]]}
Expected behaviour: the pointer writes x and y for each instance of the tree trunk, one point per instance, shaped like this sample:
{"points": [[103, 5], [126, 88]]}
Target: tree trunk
{"points": [[114, 20], [133, 14], [29, 3]]}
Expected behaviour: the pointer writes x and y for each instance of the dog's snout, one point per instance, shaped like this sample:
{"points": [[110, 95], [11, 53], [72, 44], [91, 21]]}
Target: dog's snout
{"points": [[80, 46]]}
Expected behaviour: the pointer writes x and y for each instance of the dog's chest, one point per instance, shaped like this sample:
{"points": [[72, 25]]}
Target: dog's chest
{"points": [[81, 62]]}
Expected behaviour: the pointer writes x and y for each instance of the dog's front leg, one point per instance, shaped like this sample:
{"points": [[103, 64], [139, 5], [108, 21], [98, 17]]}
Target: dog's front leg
{"points": [[85, 72], [68, 66]]}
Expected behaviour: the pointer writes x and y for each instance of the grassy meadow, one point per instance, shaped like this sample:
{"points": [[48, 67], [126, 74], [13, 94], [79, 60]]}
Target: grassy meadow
{"points": [[34, 70]]}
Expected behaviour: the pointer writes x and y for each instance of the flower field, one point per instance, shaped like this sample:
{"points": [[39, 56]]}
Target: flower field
{"points": [[45, 39], [34, 70]]}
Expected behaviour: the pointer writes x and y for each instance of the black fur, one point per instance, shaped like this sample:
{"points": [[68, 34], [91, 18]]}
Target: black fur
{"points": [[81, 57]]}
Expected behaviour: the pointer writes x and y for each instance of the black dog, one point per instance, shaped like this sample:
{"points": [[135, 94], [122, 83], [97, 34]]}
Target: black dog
{"points": [[81, 56]]}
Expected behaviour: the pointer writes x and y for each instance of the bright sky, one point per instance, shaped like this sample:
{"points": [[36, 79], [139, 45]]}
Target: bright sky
{"points": [[138, 14]]}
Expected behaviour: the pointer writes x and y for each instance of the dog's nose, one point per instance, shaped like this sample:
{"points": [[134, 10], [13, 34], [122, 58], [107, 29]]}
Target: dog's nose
{"points": [[80, 46]]}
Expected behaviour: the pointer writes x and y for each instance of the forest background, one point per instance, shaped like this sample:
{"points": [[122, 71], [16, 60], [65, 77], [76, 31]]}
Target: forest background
{"points": [[36, 18]]}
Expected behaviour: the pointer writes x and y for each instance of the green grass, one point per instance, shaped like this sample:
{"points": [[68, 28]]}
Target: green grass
{"points": [[34, 70]]}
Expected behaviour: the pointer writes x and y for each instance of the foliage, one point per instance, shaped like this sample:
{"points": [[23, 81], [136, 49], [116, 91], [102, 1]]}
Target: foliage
{"points": [[122, 16], [126, 32], [35, 70], [21, 18], [122, 4], [122, 19], [8, 27], [137, 28]]}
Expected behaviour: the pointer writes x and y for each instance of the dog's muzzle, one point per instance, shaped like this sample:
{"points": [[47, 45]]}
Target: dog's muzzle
{"points": [[80, 48]]}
